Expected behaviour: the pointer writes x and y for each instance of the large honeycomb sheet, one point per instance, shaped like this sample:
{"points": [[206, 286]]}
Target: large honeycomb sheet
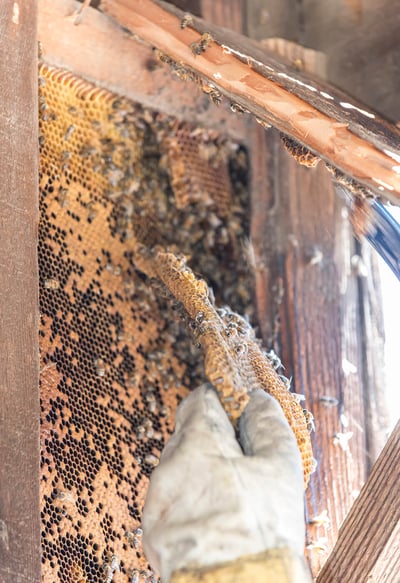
{"points": [[115, 357]]}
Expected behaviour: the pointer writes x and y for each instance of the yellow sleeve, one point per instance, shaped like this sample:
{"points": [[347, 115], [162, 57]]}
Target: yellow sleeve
{"points": [[273, 566]]}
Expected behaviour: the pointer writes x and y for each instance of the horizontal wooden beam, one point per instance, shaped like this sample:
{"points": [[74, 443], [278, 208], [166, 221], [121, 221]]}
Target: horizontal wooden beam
{"points": [[345, 134], [366, 549]]}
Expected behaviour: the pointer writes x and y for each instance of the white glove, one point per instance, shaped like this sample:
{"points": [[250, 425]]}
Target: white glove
{"points": [[212, 500]]}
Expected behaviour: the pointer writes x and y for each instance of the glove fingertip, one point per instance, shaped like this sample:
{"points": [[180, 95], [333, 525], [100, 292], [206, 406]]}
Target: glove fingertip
{"points": [[263, 425]]}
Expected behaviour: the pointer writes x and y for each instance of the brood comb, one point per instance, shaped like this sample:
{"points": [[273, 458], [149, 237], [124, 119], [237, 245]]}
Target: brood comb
{"points": [[115, 362]]}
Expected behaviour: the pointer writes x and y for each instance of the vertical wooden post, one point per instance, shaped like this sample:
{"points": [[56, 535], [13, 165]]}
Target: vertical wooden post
{"points": [[309, 300], [19, 358], [307, 304], [314, 310], [228, 14]]}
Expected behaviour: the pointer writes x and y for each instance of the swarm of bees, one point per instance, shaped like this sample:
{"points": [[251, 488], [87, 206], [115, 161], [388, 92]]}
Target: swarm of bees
{"points": [[300, 153]]}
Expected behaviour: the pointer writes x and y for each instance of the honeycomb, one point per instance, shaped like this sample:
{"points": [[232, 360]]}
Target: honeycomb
{"points": [[115, 358], [300, 153], [127, 197], [184, 147]]}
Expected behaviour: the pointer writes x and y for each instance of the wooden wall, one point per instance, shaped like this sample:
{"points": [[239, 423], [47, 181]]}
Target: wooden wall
{"points": [[313, 306]]}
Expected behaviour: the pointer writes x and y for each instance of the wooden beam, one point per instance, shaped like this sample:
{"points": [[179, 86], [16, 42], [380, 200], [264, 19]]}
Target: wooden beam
{"points": [[367, 548], [344, 133], [19, 357], [91, 49], [307, 304]]}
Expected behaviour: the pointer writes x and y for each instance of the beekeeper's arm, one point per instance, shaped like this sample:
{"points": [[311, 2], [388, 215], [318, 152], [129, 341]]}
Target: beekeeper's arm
{"points": [[220, 511]]}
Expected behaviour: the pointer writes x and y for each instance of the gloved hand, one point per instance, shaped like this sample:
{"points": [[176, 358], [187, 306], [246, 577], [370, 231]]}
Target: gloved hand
{"points": [[212, 500]]}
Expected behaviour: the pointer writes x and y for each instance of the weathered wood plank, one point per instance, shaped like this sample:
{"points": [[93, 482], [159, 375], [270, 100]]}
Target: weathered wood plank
{"points": [[387, 567], [351, 404], [362, 551], [19, 358], [278, 18], [315, 310], [307, 298], [227, 14]]}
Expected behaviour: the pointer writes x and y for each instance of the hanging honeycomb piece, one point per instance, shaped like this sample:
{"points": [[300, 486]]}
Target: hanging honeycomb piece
{"points": [[198, 169], [234, 361]]}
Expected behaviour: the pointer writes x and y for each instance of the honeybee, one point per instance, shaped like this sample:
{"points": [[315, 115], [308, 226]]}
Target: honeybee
{"points": [[329, 401], [70, 130], [274, 359], [77, 574], [237, 108], [213, 93], [320, 545], [100, 367], [309, 420], [205, 41], [320, 520], [110, 568], [187, 20], [216, 97]]}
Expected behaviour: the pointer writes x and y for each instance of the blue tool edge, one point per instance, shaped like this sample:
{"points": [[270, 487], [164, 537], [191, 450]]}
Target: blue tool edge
{"points": [[384, 235]]}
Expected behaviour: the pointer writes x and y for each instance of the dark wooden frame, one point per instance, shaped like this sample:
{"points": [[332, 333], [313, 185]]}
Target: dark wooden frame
{"points": [[19, 359], [19, 356]]}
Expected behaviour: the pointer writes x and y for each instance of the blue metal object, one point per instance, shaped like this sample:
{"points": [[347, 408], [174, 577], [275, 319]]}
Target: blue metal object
{"points": [[382, 230], [384, 235]]}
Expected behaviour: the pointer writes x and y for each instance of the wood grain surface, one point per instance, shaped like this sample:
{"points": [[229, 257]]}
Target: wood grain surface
{"points": [[19, 358], [322, 316], [368, 541]]}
